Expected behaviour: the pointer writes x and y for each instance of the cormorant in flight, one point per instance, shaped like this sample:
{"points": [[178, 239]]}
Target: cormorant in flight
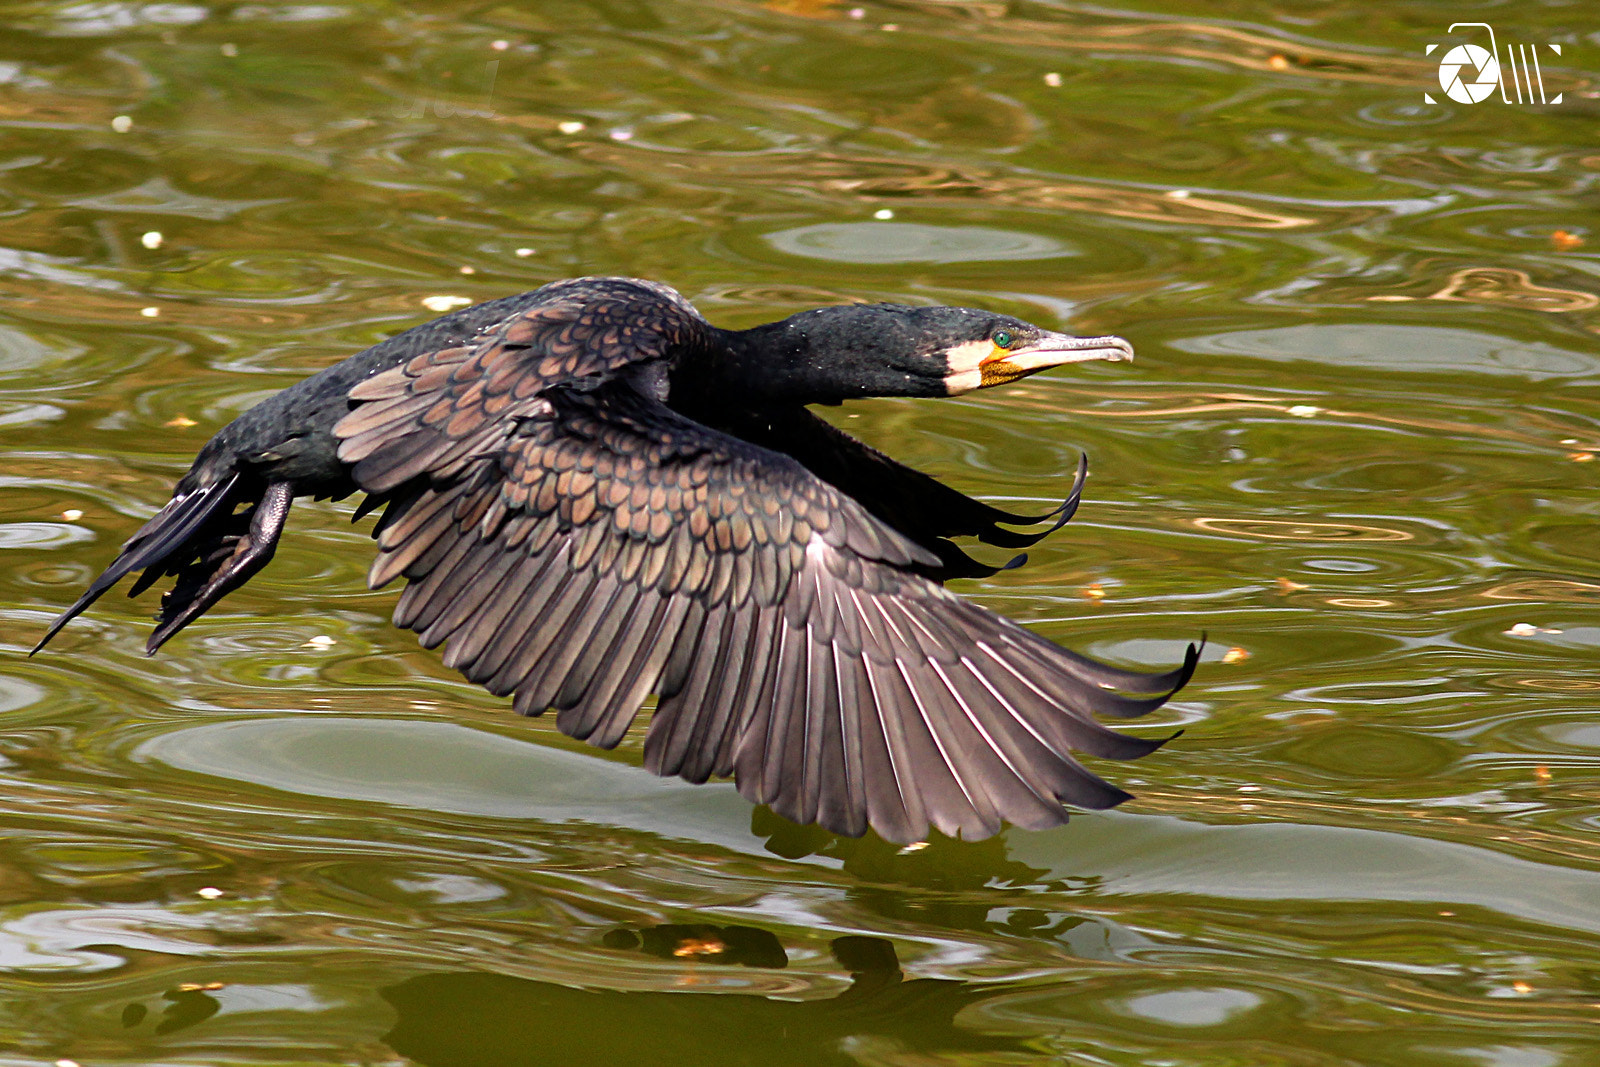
{"points": [[596, 495]]}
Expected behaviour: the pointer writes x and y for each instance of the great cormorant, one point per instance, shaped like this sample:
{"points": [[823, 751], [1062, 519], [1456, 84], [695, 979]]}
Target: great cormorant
{"points": [[596, 495]]}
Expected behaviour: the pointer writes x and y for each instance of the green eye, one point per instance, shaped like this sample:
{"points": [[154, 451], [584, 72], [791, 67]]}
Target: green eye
{"points": [[1003, 338]]}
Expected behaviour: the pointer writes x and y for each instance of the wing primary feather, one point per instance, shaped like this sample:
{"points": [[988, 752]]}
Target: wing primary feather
{"points": [[764, 727], [644, 673], [680, 721], [1047, 675], [826, 792], [943, 799], [1058, 772], [1080, 666], [676, 668], [899, 812], [480, 576], [718, 716], [434, 554], [1060, 728], [747, 697], [794, 761], [969, 764], [1008, 773], [533, 624], [844, 810], [594, 627], [531, 578], [609, 654], [544, 644], [425, 597], [396, 557], [783, 768]]}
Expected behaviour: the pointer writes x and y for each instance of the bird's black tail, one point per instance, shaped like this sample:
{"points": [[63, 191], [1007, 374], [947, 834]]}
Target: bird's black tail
{"points": [[202, 539]]}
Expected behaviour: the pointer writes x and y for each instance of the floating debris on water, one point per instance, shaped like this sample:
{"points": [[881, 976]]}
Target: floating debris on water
{"points": [[445, 303], [1528, 629]]}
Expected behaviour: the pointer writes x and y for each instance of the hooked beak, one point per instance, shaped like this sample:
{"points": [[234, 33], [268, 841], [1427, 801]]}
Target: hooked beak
{"points": [[996, 366], [1050, 350]]}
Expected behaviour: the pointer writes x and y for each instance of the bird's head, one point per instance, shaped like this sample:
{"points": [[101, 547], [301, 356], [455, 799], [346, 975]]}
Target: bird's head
{"points": [[979, 349], [839, 353]]}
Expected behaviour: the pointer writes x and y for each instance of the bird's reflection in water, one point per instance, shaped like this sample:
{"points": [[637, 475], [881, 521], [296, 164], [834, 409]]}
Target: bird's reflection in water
{"points": [[457, 1020], [746, 946], [938, 863], [930, 884]]}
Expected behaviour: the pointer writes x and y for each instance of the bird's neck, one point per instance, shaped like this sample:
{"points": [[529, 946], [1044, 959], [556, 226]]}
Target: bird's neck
{"points": [[771, 364]]}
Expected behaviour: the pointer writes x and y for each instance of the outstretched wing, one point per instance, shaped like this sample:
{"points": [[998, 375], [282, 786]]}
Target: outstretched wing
{"points": [[584, 546]]}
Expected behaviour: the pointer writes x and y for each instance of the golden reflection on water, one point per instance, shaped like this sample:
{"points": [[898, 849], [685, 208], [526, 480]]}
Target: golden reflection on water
{"points": [[1512, 288], [1545, 590], [1173, 205], [1280, 530]]}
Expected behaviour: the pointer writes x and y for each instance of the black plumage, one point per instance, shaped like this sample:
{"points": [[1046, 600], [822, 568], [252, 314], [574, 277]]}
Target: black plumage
{"points": [[596, 496]]}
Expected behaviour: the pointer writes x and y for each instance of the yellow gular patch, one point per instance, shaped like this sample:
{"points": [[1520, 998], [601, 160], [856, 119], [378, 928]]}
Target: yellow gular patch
{"points": [[1000, 371]]}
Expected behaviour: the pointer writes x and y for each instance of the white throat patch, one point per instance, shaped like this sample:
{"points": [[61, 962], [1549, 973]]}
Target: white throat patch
{"points": [[965, 358]]}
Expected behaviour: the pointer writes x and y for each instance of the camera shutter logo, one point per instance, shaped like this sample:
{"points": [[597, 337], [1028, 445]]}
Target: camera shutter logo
{"points": [[1470, 73]]}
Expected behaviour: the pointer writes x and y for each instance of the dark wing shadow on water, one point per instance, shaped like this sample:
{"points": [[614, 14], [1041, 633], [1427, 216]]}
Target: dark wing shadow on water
{"points": [[936, 884], [490, 1020]]}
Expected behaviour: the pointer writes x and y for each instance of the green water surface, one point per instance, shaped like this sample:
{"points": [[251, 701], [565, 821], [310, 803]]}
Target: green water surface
{"points": [[1356, 450]]}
